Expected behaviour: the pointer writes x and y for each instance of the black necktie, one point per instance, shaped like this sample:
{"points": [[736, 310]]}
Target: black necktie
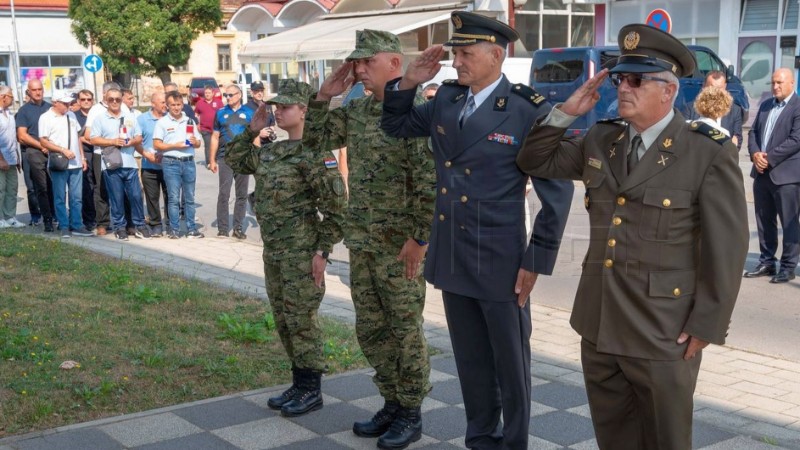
{"points": [[633, 156]]}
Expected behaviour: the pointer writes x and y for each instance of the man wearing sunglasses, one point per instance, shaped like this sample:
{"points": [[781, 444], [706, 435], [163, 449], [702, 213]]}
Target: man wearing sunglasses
{"points": [[669, 237], [231, 121]]}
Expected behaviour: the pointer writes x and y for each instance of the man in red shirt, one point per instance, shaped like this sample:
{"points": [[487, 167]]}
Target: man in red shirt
{"points": [[206, 110]]}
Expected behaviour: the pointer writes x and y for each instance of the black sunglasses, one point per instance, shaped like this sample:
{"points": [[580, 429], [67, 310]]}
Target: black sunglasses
{"points": [[114, 99], [230, 95], [634, 79]]}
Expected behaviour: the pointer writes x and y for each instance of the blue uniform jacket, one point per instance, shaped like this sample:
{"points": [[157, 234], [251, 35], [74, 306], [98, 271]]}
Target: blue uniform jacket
{"points": [[478, 238]]}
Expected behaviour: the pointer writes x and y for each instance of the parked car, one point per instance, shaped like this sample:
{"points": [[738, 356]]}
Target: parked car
{"points": [[558, 72], [199, 85]]}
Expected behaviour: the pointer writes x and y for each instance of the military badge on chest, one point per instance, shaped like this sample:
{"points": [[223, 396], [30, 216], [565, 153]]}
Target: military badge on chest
{"points": [[500, 103]]}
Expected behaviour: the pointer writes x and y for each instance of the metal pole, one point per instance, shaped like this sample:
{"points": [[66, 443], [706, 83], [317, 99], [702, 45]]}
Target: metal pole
{"points": [[15, 59]]}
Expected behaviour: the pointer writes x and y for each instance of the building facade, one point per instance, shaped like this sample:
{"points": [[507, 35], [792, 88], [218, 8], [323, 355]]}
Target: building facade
{"points": [[55, 57]]}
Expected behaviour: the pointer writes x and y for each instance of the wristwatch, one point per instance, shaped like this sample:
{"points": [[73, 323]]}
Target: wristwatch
{"points": [[323, 254]]}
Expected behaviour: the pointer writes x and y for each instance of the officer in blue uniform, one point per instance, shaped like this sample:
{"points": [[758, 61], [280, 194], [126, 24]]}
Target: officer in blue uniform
{"points": [[478, 253]]}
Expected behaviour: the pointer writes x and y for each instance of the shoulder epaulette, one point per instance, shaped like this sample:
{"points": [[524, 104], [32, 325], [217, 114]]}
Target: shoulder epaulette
{"points": [[707, 130], [528, 93], [451, 83], [614, 120]]}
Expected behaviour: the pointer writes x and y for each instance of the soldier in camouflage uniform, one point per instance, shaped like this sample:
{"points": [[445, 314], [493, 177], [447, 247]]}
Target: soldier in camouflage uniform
{"points": [[294, 183], [391, 185]]}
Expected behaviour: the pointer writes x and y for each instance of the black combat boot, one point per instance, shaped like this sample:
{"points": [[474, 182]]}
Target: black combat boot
{"points": [[308, 396], [406, 428], [280, 400], [379, 423]]}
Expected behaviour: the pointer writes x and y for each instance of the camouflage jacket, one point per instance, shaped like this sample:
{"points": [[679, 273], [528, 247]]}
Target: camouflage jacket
{"points": [[294, 185], [391, 181]]}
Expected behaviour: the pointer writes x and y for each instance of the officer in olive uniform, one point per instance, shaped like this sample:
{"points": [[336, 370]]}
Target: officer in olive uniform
{"points": [[478, 254], [294, 184], [668, 241], [391, 184]]}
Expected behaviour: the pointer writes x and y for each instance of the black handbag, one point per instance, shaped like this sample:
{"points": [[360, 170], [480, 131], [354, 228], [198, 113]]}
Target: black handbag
{"points": [[56, 161], [112, 156]]}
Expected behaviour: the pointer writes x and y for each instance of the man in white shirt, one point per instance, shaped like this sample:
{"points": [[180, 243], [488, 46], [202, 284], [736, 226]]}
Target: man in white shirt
{"points": [[9, 162], [58, 133], [176, 146], [100, 193], [121, 182]]}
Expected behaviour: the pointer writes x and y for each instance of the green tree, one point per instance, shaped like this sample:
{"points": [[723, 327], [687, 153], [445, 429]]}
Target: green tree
{"points": [[143, 37]]}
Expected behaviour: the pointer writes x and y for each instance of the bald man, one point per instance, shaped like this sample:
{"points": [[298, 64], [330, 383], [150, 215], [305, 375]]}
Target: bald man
{"points": [[774, 146]]}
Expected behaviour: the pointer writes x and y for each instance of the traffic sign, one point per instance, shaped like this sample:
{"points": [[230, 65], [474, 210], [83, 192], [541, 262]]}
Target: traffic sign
{"points": [[93, 63], [659, 18]]}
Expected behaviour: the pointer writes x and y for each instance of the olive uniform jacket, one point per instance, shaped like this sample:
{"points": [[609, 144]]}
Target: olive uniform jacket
{"points": [[478, 237], [667, 242]]}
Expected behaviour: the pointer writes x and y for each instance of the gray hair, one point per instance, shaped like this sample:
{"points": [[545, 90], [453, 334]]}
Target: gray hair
{"points": [[171, 84], [671, 79], [108, 85], [4, 90]]}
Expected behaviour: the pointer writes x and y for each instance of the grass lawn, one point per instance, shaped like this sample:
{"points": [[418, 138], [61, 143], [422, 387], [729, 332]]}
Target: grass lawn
{"points": [[143, 338]]}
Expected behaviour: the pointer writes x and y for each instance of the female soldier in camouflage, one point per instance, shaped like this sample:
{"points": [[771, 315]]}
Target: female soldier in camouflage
{"points": [[294, 185]]}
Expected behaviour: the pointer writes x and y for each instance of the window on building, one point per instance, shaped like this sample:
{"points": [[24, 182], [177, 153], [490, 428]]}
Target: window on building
{"points": [[224, 57], [56, 72], [760, 15], [260, 36], [790, 15], [182, 68], [553, 23]]}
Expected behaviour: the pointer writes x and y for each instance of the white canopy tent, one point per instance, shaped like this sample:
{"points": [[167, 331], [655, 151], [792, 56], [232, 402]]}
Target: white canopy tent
{"points": [[333, 36]]}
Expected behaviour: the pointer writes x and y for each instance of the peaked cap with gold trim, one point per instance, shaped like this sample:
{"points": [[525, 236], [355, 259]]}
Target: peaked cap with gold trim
{"points": [[471, 28], [645, 49]]}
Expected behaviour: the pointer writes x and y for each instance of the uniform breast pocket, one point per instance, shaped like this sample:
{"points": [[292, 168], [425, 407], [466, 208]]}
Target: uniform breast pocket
{"points": [[663, 213], [592, 179]]}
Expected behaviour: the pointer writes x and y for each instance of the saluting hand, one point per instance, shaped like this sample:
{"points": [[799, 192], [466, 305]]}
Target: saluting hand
{"points": [[337, 82], [260, 119], [525, 282], [423, 68], [584, 99], [695, 345]]}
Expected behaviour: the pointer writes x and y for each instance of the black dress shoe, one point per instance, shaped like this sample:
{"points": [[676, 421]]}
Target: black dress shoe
{"points": [[784, 276], [761, 270]]}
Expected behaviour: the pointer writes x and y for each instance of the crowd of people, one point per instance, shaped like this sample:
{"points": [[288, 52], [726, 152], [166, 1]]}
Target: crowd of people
{"points": [[93, 168]]}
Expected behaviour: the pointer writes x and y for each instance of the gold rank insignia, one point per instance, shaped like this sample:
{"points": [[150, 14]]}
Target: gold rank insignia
{"points": [[667, 143], [613, 152], [596, 163], [622, 135], [631, 41], [459, 97], [537, 99], [500, 103], [440, 129], [663, 160]]}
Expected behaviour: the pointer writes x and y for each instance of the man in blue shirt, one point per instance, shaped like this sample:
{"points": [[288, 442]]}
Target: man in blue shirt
{"points": [[152, 172], [176, 146], [231, 121], [106, 131]]}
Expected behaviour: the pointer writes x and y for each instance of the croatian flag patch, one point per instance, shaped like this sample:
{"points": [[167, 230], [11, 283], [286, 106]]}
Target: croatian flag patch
{"points": [[330, 163]]}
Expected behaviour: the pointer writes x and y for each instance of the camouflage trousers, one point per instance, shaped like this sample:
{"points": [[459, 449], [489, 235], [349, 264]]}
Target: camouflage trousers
{"points": [[295, 302], [389, 326]]}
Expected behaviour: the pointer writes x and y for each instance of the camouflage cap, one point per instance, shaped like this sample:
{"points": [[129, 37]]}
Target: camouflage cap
{"points": [[292, 92], [371, 42]]}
